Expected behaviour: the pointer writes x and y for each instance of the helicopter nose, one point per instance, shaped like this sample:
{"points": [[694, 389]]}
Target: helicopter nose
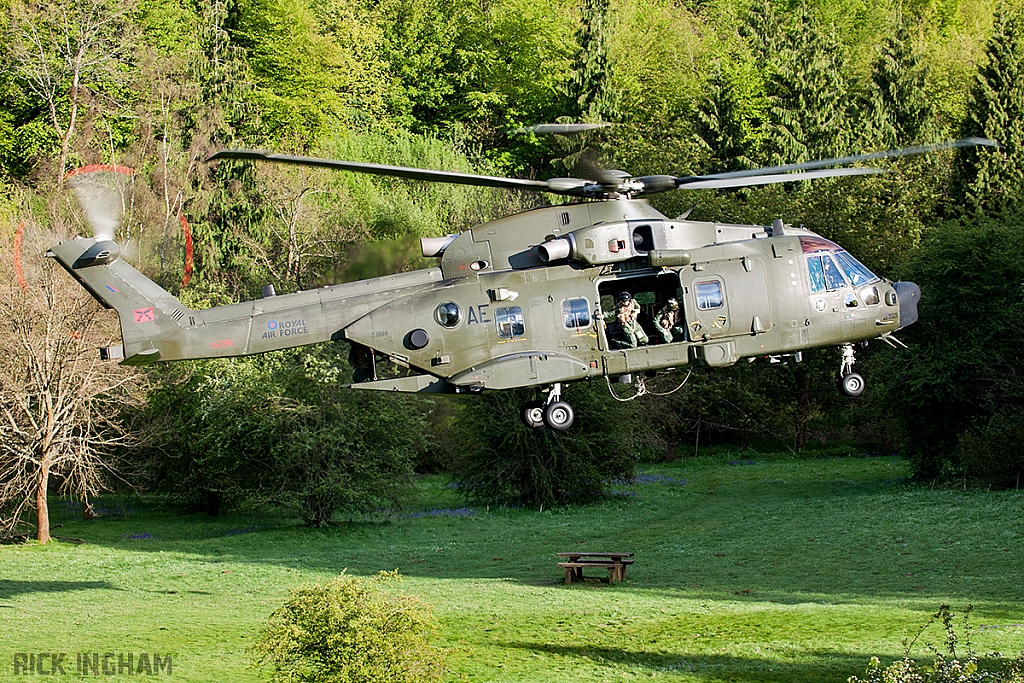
{"points": [[907, 294]]}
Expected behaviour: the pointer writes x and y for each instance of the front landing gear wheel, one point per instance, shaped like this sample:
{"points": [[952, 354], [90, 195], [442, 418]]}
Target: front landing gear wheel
{"points": [[852, 384], [559, 415], [532, 414]]}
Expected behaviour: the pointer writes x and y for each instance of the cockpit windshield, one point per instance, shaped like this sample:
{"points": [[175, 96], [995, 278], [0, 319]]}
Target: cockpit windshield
{"points": [[856, 272]]}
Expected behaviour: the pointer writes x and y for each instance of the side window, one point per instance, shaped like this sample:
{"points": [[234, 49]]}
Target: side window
{"points": [[576, 313], [509, 322], [709, 295]]}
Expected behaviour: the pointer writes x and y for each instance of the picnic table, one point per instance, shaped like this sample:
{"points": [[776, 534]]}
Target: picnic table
{"points": [[577, 560]]}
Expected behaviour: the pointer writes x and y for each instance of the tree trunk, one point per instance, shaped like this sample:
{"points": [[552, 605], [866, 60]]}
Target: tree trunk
{"points": [[42, 508]]}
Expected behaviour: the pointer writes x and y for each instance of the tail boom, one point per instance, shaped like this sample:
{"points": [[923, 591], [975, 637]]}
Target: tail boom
{"points": [[156, 326]]}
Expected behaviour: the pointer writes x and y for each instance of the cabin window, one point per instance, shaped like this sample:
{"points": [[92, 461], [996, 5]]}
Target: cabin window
{"points": [[509, 322], [824, 273], [576, 313], [856, 272], [448, 314], [709, 295], [870, 296]]}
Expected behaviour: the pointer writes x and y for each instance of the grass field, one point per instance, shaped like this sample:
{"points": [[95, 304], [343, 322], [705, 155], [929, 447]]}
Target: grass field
{"points": [[748, 568]]}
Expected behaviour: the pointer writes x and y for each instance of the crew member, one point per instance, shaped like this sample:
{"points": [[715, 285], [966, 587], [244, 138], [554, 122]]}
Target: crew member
{"points": [[626, 332], [669, 322]]}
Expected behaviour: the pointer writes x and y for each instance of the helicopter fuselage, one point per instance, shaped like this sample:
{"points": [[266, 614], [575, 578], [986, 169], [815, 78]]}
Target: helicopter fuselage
{"points": [[500, 318], [497, 314]]}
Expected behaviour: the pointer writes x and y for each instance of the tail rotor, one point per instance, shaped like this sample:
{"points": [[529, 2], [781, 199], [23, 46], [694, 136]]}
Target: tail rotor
{"points": [[102, 191]]}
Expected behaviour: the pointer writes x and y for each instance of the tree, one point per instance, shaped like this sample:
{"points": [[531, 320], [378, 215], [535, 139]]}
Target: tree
{"points": [[900, 111], [507, 463], [808, 116], [281, 429], [72, 57], [991, 181], [958, 399], [590, 92], [731, 116], [60, 404]]}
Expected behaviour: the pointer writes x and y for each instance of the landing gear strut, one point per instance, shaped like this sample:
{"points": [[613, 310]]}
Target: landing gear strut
{"points": [[850, 382], [554, 412]]}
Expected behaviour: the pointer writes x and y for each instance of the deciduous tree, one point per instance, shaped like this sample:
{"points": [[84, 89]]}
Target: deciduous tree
{"points": [[60, 405], [71, 56]]}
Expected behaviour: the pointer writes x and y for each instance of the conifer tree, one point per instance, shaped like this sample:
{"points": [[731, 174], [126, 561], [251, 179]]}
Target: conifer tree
{"points": [[900, 112], [590, 92], [808, 94], [729, 120], [992, 181]]}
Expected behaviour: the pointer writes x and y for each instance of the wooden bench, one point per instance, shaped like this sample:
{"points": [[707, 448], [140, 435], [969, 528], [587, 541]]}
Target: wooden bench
{"points": [[577, 561]]}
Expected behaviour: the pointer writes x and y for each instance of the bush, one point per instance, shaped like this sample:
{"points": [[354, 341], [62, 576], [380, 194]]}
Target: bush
{"points": [[351, 630], [508, 463], [956, 397], [948, 667]]}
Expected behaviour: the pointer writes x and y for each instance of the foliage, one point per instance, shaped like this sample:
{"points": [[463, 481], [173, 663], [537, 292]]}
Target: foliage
{"points": [[590, 94], [992, 181], [947, 667], [71, 63], [279, 429], [809, 102], [696, 87], [900, 111], [351, 629], [959, 394], [508, 463]]}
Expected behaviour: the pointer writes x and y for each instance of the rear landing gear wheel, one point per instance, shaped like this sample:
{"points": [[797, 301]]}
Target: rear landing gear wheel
{"points": [[559, 415], [532, 414], [852, 384]]}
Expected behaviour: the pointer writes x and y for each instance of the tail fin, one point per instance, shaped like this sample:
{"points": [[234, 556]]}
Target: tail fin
{"points": [[152, 320]]}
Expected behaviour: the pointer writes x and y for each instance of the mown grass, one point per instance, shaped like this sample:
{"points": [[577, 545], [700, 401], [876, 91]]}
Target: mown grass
{"points": [[748, 568]]}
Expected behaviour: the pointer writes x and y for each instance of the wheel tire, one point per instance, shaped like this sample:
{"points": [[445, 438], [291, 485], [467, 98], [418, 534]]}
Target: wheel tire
{"points": [[559, 415], [852, 384], [532, 414]]}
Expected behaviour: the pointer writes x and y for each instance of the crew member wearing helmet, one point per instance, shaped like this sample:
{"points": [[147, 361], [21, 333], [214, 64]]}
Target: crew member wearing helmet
{"points": [[626, 332], [668, 320], [626, 308]]}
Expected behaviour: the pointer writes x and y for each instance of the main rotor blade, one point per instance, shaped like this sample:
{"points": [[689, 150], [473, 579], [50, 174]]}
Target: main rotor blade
{"points": [[560, 128], [562, 186], [718, 182], [857, 158]]}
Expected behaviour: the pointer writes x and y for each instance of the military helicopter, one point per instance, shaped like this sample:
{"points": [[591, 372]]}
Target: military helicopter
{"points": [[524, 301]]}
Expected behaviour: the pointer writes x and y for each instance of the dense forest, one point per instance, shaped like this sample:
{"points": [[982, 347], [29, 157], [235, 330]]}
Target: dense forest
{"points": [[690, 86]]}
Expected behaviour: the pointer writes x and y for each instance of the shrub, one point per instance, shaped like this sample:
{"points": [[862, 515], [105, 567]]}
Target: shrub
{"points": [[507, 463], [948, 667], [351, 630]]}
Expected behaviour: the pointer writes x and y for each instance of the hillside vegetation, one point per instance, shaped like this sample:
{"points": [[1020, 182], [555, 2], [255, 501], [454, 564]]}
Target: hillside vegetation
{"points": [[693, 87]]}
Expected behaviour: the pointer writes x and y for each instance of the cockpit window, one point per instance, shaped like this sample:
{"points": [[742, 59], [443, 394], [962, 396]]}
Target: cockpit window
{"points": [[856, 272], [576, 313], [509, 322], [824, 273]]}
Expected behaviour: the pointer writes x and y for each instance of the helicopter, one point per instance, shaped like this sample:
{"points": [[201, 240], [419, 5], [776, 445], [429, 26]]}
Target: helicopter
{"points": [[531, 299]]}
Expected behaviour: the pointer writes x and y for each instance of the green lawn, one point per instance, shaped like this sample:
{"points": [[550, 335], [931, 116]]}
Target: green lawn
{"points": [[751, 569]]}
